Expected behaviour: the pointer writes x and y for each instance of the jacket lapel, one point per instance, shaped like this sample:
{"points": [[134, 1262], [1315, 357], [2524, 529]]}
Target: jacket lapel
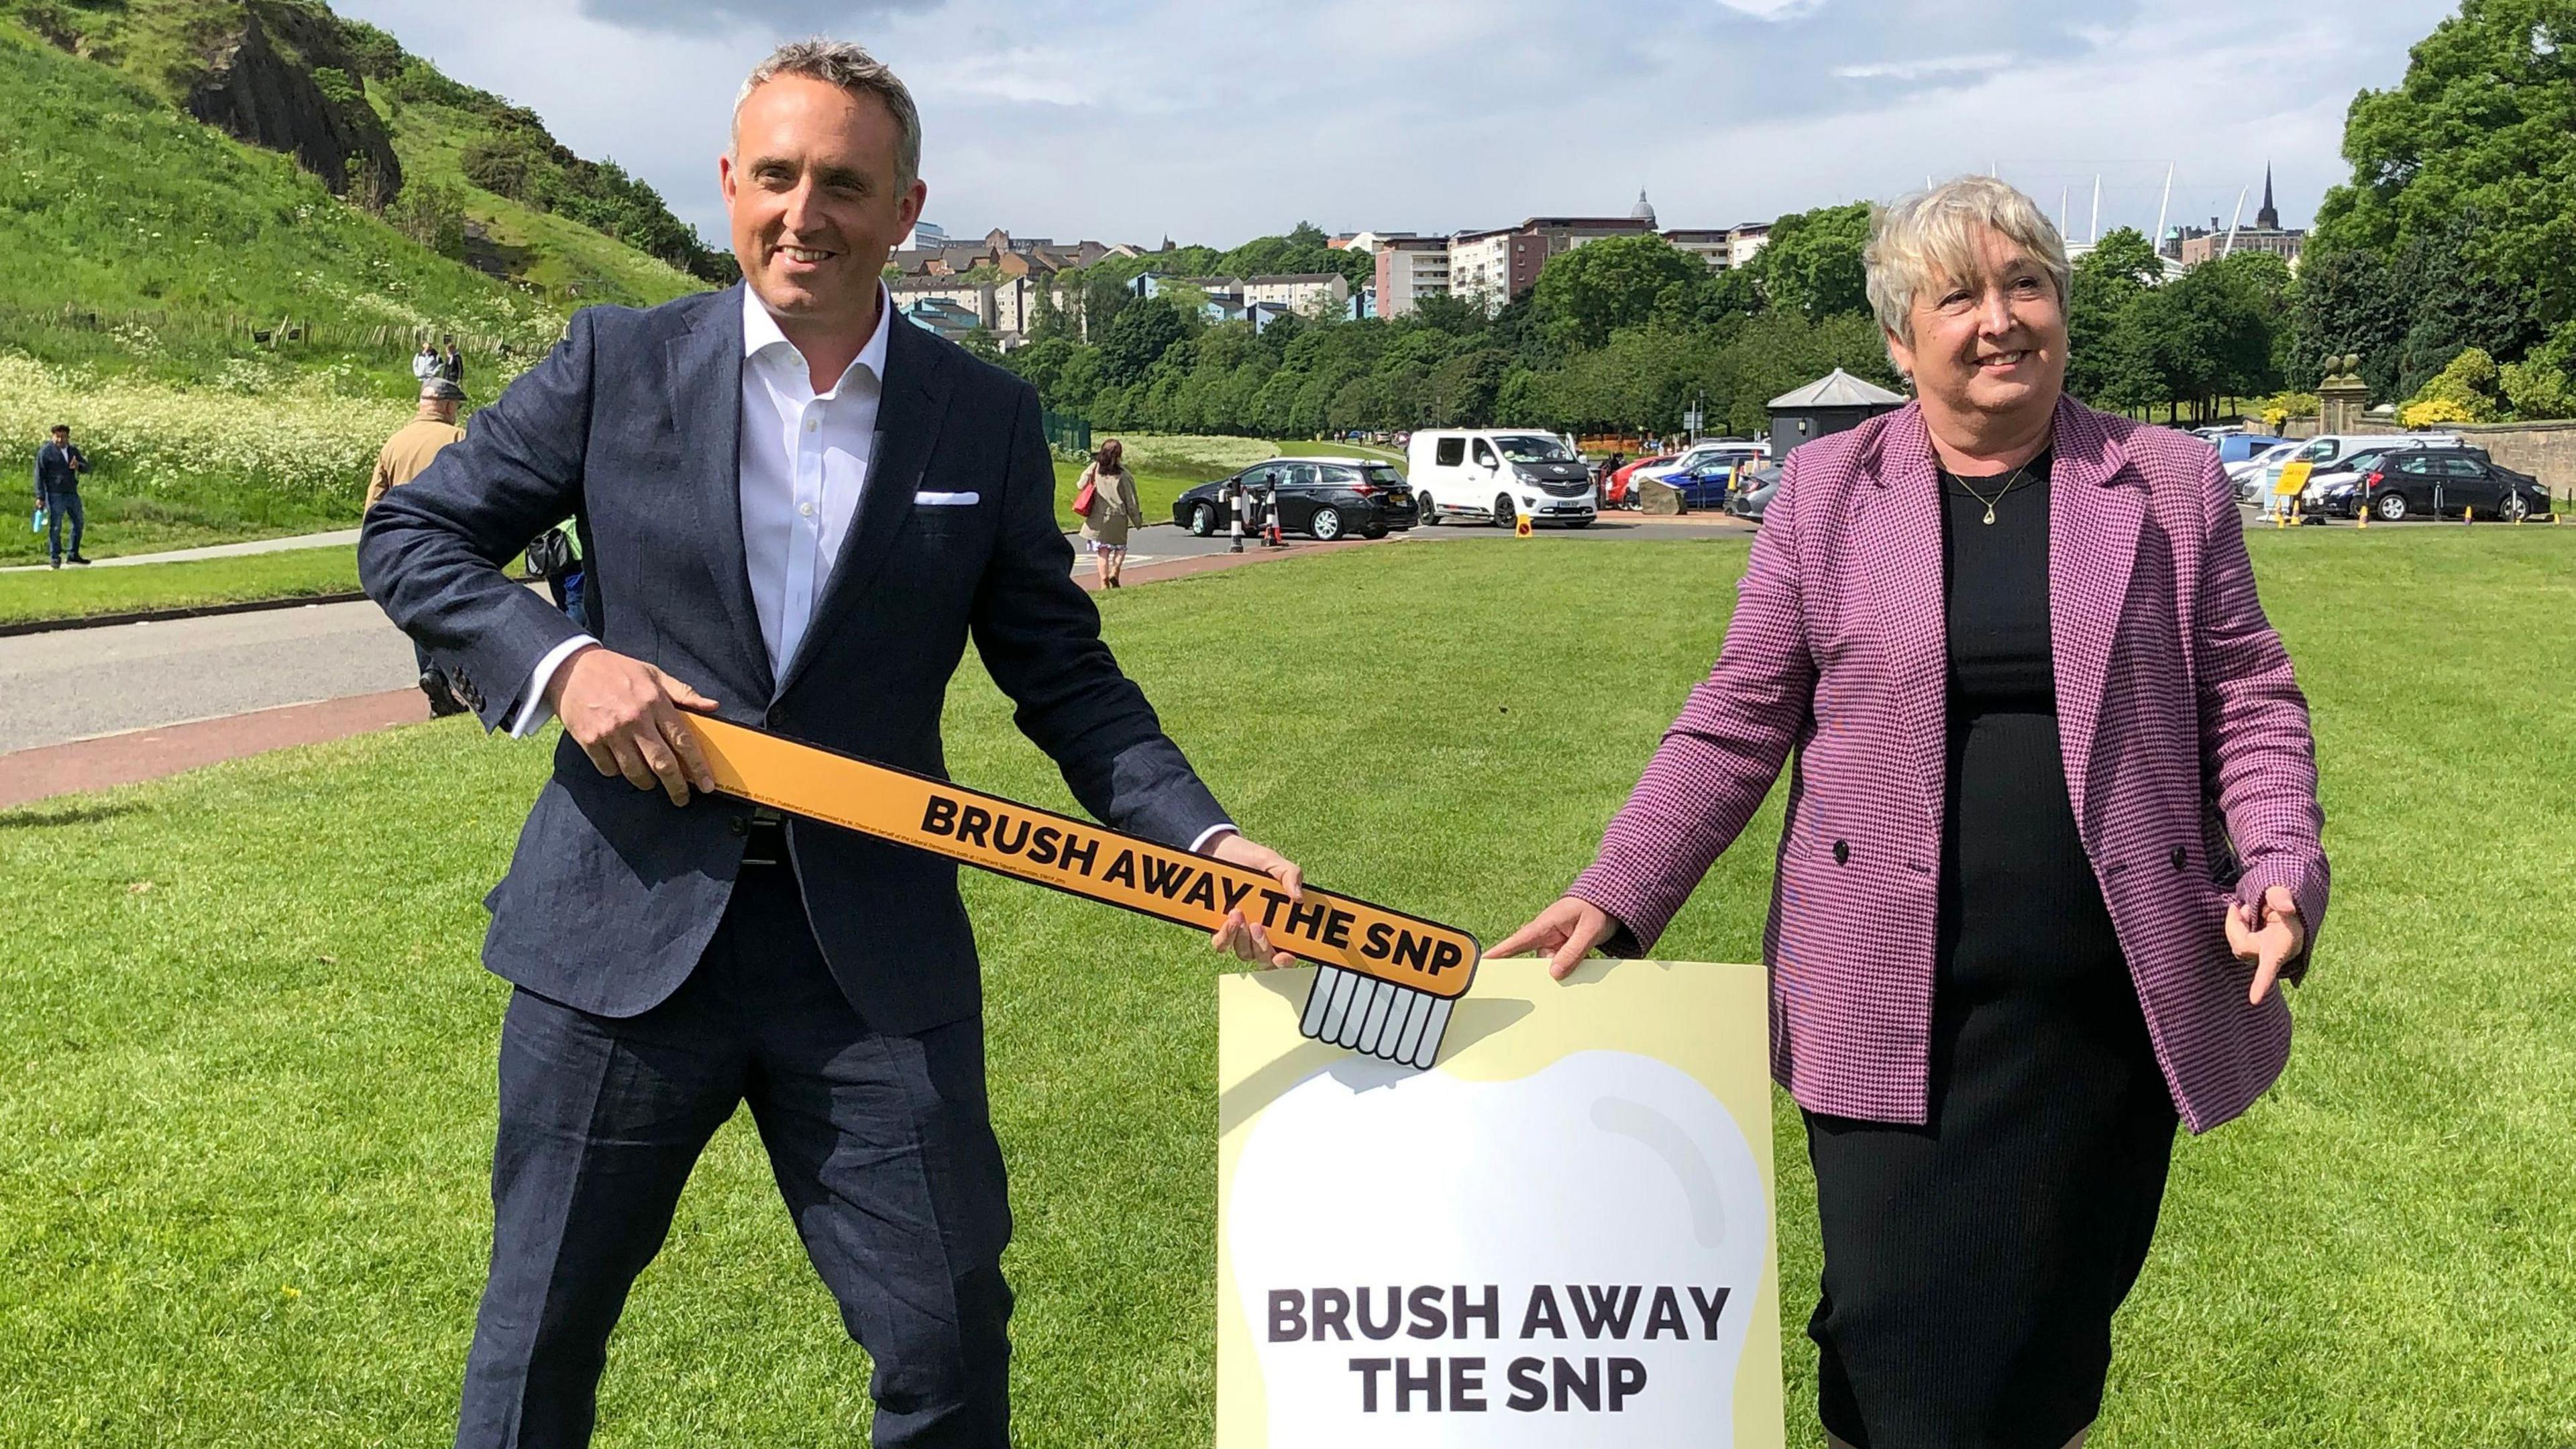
{"points": [[1897, 535], [2095, 514], [704, 369], [910, 409]]}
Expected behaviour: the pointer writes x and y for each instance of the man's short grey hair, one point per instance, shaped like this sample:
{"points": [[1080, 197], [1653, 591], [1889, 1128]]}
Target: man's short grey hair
{"points": [[1930, 237], [841, 63]]}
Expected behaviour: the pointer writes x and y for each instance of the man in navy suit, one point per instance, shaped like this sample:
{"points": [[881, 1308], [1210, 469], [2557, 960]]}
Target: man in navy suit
{"points": [[795, 511]]}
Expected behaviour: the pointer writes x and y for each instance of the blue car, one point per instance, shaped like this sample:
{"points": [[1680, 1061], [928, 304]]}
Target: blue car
{"points": [[1710, 485], [2240, 447]]}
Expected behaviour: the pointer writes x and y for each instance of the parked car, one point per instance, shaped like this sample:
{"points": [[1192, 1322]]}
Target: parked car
{"points": [[2347, 471], [2248, 474], [1753, 492], [1325, 498], [2442, 483], [2236, 447], [1699, 455], [1712, 484], [2328, 448], [1499, 474], [1619, 489]]}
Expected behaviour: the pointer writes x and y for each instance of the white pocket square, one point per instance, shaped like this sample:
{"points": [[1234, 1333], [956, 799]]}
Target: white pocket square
{"points": [[946, 500]]}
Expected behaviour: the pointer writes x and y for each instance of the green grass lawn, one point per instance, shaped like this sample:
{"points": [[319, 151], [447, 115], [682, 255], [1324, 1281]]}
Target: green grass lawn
{"points": [[249, 1052], [71, 593]]}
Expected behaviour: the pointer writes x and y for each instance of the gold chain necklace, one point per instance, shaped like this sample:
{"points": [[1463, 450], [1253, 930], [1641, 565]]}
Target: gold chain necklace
{"points": [[2011, 481]]}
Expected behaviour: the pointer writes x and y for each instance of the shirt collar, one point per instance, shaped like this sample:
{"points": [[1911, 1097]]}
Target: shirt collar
{"points": [[760, 333]]}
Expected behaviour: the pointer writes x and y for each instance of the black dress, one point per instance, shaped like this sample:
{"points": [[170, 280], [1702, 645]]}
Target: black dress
{"points": [[1972, 1264]]}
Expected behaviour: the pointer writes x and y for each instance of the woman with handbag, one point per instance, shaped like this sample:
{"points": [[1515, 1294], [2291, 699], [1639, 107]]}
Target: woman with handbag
{"points": [[1106, 499]]}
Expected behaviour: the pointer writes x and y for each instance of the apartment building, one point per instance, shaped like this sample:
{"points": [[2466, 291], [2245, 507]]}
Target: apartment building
{"points": [[1493, 267], [1308, 294], [1409, 268]]}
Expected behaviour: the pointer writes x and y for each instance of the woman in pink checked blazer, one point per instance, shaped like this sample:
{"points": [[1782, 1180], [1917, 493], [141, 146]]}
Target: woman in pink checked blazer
{"points": [[2052, 835]]}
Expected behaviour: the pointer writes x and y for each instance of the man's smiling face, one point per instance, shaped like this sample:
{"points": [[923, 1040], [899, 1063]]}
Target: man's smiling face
{"points": [[814, 199]]}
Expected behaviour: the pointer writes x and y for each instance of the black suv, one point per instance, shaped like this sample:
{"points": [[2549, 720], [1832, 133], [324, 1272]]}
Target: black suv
{"points": [[1328, 498], [2439, 483]]}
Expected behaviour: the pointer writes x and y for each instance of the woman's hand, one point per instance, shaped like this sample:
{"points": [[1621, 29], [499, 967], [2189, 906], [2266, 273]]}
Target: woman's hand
{"points": [[2270, 942], [1566, 931]]}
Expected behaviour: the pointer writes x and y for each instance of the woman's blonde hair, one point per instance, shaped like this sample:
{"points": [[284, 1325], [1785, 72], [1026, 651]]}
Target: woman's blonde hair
{"points": [[1930, 237]]}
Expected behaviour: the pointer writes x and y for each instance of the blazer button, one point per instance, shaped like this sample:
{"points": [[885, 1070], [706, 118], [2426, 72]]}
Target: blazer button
{"points": [[2178, 858], [738, 825], [1842, 852]]}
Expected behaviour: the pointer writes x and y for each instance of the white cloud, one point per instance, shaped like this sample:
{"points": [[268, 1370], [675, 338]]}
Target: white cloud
{"points": [[1205, 120], [1919, 69]]}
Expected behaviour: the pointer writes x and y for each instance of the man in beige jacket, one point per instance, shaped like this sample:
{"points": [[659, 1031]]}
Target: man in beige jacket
{"points": [[406, 456]]}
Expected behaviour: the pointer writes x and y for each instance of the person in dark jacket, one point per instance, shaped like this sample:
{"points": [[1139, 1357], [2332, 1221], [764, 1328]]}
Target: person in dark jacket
{"points": [[798, 510], [58, 469]]}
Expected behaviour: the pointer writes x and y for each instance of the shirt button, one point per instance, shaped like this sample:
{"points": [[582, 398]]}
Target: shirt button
{"points": [[812, 423], [805, 508]]}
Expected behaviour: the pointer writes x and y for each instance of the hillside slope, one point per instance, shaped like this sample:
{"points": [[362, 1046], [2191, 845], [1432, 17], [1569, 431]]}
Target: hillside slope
{"points": [[134, 237], [461, 171]]}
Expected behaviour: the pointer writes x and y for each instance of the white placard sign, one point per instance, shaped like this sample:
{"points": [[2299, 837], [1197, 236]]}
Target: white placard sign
{"points": [[1560, 1235]]}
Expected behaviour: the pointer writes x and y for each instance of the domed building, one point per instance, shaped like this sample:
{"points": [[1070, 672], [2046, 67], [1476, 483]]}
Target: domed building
{"points": [[1643, 211]]}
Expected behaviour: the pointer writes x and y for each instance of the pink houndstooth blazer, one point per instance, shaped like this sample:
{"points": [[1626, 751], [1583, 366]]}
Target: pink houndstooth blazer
{"points": [[2188, 757]]}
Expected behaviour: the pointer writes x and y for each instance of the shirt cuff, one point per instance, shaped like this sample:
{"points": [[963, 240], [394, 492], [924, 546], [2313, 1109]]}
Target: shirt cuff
{"points": [[533, 710], [1200, 845]]}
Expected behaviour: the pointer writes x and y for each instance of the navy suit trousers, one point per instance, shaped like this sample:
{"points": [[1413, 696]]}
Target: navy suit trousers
{"points": [[882, 1146]]}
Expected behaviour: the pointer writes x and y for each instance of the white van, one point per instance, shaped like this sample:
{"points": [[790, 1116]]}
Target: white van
{"points": [[1499, 475]]}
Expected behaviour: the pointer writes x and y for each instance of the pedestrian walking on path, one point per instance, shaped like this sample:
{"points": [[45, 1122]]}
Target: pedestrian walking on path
{"points": [[1113, 510], [58, 469], [402, 459]]}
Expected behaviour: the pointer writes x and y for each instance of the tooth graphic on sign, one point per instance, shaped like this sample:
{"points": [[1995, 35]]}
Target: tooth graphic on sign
{"points": [[1623, 1189]]}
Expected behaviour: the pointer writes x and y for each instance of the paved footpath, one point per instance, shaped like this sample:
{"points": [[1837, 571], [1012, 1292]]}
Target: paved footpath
{"points": [[91, 708], [334, 539]]}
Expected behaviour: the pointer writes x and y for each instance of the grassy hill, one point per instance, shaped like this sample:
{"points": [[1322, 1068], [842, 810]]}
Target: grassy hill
{"points": [[228, 325]]}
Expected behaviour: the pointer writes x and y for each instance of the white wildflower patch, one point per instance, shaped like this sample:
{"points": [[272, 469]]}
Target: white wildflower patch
{"points": [[1162, 452], [303, 440]]}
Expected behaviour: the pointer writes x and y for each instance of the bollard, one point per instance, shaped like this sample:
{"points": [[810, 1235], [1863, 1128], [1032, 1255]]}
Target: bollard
{"points": [[2468, 513], [1522, 529], [1234, 524]]}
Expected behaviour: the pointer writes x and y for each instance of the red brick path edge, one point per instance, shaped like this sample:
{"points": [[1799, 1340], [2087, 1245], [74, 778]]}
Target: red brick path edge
{"points": [[148, 754]]}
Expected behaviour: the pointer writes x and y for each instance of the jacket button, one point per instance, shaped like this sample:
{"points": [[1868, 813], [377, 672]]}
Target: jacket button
{"points": [[738, 825], [1842, 852], [2178, 858]]}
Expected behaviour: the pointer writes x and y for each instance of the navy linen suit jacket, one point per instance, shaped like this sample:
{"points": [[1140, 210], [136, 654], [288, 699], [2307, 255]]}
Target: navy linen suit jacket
{"points": [[631, 428]]}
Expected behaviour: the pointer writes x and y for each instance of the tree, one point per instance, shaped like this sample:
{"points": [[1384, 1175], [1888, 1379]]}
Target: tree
{"points": [[1812, 263], [1142, 333], [1584, 295], [2105, 279], [2347, 301], [2484, 122]]}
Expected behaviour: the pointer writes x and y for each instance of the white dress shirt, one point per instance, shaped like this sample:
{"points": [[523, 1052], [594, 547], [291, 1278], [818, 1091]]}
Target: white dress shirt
{"points": [[802, 462]]}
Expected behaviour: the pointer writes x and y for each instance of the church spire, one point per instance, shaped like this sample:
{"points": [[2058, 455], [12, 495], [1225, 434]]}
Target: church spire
{"points": [[2267, 219]]}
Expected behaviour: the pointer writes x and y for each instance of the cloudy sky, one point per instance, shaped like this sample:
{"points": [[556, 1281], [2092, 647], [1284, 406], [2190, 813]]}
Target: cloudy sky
{"points": [[1217, 120]]}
